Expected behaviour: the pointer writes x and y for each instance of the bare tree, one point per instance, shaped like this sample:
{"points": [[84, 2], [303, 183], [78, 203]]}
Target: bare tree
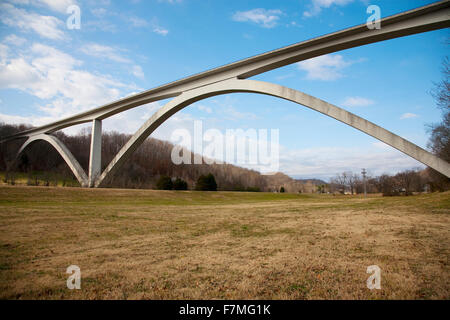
{"points": [[409, 181], [340, 182], [387, 185], [439, 141], [353, 180]]}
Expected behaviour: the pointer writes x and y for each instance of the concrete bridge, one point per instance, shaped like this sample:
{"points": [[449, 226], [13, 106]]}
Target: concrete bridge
{"points": [[233, 78]]}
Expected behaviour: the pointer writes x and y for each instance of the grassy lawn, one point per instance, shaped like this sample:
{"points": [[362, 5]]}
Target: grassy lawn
{"points": [[143, 244]]}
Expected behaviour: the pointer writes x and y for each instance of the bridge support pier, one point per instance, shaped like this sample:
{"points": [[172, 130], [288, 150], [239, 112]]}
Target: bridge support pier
{"points": [[95, 159]]}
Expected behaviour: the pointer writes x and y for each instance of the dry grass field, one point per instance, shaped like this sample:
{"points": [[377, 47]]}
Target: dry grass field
{"points": [[136, 244]]}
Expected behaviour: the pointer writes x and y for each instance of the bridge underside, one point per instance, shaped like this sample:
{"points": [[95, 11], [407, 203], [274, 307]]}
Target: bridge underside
{"points": [[95, 179]]}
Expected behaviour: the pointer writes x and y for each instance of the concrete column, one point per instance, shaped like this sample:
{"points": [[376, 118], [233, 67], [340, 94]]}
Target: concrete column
{"points": [[95, 159]]}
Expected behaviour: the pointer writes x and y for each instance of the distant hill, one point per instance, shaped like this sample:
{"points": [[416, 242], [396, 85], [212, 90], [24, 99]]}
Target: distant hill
{"points": [[276, 181], [316, 182]]}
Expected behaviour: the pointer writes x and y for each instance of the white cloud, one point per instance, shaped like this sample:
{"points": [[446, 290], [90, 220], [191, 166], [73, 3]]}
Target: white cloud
{"points": [[14, 40], [31, 120], [232, 114], [99, 12], [326, 68], [4, 51], [171, 1], [138, 72], [408, 115], [45, 26], [382, 145], [316, 6], [357, 102], [101, 51], [55, 5], [326, 162], [59, 5], [161, 31], [53, 75], [110, 53], [102, 25], [204, 108], [127, 122], [137, 22], [262, 17]]}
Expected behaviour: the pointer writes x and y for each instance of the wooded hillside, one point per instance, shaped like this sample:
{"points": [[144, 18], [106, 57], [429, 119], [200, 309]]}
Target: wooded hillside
{"points": [[150, 161]]}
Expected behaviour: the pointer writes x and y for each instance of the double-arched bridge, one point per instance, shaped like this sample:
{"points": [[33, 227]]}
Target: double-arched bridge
{"points": [[234, 78]]}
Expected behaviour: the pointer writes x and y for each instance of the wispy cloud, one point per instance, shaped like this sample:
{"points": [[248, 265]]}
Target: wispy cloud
{"points": [[58, 5], [326, 162], [14, 40], [204, 108], [316, 6], [54, 5], [161, 31], [101, 51], [99, 12], [56, 78], [138, 22], [171, 1], [46, 26], [408, 115], [326, 68], [357, 102], [113, 54], [262, 17], [138, 72], [232, 114]]}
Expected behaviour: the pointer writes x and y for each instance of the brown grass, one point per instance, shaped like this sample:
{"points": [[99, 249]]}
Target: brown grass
{"points": [[134, 244]]}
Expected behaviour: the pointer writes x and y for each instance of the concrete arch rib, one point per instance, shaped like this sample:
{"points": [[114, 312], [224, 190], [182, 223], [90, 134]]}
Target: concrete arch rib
{"points": [[251, 86], [68, 157]]}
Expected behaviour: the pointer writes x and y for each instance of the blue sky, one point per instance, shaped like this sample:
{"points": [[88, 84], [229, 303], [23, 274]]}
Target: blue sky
{"points": [[48, 71]]}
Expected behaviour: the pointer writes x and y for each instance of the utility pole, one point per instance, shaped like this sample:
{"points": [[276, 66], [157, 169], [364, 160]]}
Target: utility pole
{"points": [[364, 172]]}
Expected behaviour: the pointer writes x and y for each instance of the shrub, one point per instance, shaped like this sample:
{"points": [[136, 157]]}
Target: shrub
{"points": [[180, 184], [206, 183], [164, 183], [282, 190]]}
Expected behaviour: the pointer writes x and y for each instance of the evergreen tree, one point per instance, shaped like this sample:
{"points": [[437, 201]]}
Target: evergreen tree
{"points": [[206, 183], [164, 183], [180, 184]]}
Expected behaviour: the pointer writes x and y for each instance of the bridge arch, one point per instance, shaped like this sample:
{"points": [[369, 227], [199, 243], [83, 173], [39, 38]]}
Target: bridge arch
{"points": [[251, 86], [65, 153]]}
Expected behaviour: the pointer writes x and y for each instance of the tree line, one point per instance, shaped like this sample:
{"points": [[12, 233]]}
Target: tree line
{"points": [[406, 183], [149, 163], [150, 167]]}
